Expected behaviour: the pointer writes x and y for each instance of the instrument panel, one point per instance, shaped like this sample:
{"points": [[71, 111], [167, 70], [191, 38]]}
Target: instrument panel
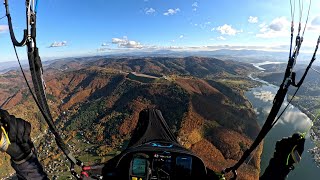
{"points": [[160, 166]]}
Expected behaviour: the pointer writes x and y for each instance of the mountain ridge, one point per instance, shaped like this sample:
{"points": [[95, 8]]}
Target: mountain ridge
{"points": [[99, 100]]}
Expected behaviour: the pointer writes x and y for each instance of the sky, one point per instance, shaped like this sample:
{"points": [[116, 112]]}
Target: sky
{"points": [[76, 28]]}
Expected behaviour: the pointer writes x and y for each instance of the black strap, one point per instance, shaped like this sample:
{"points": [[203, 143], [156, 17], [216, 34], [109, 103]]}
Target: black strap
{"points": [[279, 98], [13, 37], [37, 79], [289, 79], [307, 69]]}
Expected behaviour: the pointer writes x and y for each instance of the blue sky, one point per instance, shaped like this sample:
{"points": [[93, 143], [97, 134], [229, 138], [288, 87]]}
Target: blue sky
{"points": [[73, 27]]}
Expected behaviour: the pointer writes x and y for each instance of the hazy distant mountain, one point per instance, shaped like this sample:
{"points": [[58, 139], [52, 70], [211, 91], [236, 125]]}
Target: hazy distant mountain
{"points": [[7, 66], [249, 56]]}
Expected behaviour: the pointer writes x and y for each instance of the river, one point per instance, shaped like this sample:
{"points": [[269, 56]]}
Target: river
{"points": [[293, 120]]}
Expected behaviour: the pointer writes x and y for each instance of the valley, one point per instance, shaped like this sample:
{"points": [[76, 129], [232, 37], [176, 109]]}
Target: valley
{"points": [[307, 98], [95, 103]]}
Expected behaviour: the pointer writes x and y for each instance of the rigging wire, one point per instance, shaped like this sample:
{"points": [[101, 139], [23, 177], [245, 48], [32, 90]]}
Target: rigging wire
{"points": [[300, 17], [25, 77], [292, 9], [299, 41], [289, 79], [304, 29], [26, 80], [283, 111], [51, 125], [315, 70], [315, 116], [312, 123], [292, 26], [36, 73], [299, 38], [3, 17], [301, 10], [300, 82]]}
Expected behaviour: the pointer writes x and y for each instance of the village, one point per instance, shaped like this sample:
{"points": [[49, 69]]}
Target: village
{"points": [[315, 136]]}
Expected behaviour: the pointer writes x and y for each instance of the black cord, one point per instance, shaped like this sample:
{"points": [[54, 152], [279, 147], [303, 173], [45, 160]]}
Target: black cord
{"points": [[49, 121], [26, 80], [3, 17], [301, 80], [34, 58], [289, 79], [283, 111]]}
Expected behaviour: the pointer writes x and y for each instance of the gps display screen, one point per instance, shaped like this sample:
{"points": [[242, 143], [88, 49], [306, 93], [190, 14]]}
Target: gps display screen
{"points": [[139, 167], [184, 165]]}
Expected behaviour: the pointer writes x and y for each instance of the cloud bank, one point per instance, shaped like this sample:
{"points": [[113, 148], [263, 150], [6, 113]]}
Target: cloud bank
{"points": [[126, 43], [279, 27]]}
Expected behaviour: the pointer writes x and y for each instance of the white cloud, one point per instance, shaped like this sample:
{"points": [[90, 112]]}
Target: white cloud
{"points": [[149, 11], [253, 20], [315, 24], [126, 43], [316, 21], [227, 30], [181, 36], [171, 12], [265, 96], [194, 6], [3, 28], [279, 27], [221, 38], [58, 44], [278, 24], [104, 44], [294, 117], [263, 27], [119, 40], [314, 28]]}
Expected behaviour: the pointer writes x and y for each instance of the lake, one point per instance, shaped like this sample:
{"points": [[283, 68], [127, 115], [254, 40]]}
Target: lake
{"points": [[293, 120]]}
